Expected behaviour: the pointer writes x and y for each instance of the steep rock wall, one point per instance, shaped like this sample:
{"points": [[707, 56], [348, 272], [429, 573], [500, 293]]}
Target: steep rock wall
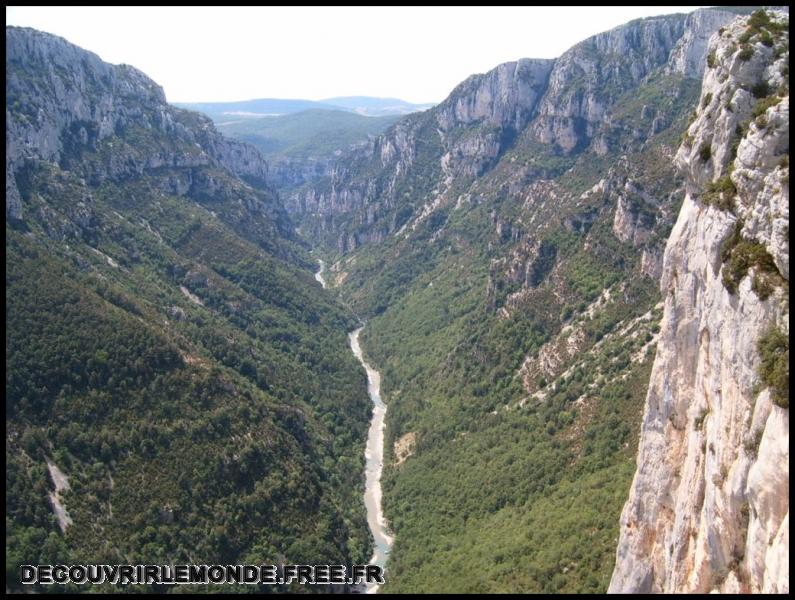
{"points": [[62, 100], [561, 106], [709, 505]]}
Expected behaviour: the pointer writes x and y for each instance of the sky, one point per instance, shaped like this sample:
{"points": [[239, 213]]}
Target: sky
{"points": [[418, 54]]}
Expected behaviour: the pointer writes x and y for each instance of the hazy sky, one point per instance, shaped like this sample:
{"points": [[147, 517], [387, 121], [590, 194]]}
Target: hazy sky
{"points": [[418, 54]]}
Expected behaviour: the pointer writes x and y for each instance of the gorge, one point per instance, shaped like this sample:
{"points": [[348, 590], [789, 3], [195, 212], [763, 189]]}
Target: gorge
{"points": [[518, 184], [574, 278]]}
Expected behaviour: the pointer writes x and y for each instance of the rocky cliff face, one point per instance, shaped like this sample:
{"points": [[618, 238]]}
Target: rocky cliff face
{"points": [[709, 505], [64, 102], [589, 77], [293, 172], [563, 106], [690, 52], [504, 97], [586, 80], [149, 286]]}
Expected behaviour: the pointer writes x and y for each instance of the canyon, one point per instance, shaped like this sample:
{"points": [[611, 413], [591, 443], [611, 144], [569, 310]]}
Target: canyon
{"points": [[574, 278]]}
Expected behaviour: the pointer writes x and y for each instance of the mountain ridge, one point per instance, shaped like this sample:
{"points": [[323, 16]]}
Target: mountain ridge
{"points": [[364, 105], [508, 263], [520, 252], [560, 124], [156, 296]]}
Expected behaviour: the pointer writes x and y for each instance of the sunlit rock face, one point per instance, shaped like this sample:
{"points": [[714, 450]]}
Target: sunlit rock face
{"points": [[709, 505], [63, 102], [564, 104]]}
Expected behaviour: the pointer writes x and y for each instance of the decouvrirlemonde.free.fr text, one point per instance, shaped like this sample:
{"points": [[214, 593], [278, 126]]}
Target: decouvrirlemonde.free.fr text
{"points": [[201, 574]]}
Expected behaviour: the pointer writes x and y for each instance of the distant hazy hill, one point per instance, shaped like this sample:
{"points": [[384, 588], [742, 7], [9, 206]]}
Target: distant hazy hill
{"points": [[299, 138], [374, 107], [263, 107], [364, 105], [306, 133]]}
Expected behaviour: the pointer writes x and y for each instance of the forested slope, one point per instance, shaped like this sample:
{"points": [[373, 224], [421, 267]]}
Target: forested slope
{"points": [[167, 349]]}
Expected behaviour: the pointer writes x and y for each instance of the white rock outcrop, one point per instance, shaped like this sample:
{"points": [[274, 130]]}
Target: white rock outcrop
{"points": [[709, 505]]}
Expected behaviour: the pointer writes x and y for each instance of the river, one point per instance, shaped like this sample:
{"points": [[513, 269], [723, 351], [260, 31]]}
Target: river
{"points": [[373, 454], [374, 457], [319, 274]]}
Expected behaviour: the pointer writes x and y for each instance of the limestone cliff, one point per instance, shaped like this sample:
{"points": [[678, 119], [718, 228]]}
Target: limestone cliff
{"points": [[138, 262], [709, 505], [587, 78], [64, 103], [562, 106]]}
